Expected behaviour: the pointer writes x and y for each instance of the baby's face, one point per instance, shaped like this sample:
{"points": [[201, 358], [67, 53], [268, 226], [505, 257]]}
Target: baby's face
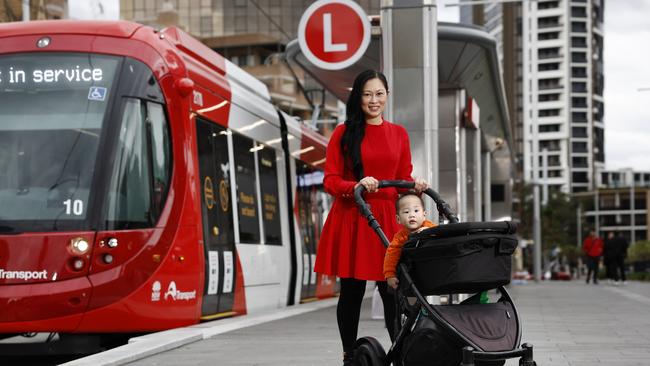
{"points": [[411, 213]]}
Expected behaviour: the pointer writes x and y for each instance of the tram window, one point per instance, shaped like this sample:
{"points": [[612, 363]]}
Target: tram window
{"points": [[269, 191], [129, 198], [50, 136], [313, 203], [160, 155], [214, 167], [249, 227], [142, 168]]}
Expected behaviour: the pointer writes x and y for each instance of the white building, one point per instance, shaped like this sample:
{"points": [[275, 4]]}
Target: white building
{"points": [[608, 208], [563, 92]]}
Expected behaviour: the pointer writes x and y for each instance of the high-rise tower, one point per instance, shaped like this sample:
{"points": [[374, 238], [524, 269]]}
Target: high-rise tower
{"points": [[552, 53]]}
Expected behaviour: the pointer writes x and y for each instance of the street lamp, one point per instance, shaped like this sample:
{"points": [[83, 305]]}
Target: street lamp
{"points": [[25, 4]]}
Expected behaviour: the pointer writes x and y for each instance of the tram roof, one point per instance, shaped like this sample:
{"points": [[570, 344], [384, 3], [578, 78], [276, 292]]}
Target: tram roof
{"points": [[467, 59], [110, 28]]}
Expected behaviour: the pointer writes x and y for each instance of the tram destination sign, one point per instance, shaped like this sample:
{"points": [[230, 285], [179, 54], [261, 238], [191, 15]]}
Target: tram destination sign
{"points": [[20, 77]]}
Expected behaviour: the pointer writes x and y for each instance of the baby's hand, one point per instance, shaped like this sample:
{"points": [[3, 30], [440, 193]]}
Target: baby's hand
{"points": [[420, 229], [393, 282]]}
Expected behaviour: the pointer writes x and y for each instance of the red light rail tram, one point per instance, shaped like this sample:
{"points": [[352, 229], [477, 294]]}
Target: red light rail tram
{"points": [[146, 183]]}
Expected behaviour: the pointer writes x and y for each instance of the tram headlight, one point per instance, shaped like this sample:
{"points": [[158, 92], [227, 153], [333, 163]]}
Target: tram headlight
{"points": [[112, 243], [108, 259], [79, 246], [77, 264]]}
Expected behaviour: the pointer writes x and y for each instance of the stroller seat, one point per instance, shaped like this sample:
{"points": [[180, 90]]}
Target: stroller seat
{"points": [[464, 257]]}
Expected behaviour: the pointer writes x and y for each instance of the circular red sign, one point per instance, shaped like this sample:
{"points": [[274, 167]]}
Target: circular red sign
{"points": [[334, 34]]}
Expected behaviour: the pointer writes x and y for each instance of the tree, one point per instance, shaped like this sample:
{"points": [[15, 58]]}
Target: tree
{"points": [[558, 218]]}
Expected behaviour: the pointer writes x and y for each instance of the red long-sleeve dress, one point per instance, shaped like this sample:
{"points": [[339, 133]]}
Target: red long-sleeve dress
{"points": [[348, 247]]}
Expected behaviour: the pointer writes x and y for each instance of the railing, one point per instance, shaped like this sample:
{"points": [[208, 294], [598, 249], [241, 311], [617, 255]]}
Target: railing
{"points": [[549, 87], [544, 56], [545, 25]]}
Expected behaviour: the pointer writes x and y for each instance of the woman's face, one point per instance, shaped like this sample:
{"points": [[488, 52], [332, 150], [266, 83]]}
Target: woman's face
{"points": [[373, 99]]}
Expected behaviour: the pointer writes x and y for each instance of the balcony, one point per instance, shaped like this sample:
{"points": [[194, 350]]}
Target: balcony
{"points": [[548, 22], [578, 57], [549, 55], [579, 27], [578, 12], [578, 42], [579, 87]]}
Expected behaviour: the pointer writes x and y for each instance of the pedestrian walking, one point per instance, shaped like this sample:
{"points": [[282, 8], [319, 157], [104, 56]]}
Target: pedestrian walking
{"points": [[618, 260], [592, 246], [609, 255], [362, 151]]}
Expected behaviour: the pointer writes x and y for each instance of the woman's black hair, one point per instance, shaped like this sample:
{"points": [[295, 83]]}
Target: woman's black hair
{"points": [[355, 122]]}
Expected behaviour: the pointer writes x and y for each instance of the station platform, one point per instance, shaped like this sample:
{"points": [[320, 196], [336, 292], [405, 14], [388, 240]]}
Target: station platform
{"points": [[569, 324]]}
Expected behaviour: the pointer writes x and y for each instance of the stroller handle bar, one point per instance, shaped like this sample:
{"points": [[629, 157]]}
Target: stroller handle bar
{"points": [[442, 206]]}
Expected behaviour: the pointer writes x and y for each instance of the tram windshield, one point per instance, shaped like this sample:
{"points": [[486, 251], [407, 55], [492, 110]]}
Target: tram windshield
{"points": [[52, 108]]}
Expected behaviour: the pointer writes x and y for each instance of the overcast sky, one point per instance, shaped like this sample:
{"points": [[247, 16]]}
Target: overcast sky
{"points": [[627, 110], [627, 55]]}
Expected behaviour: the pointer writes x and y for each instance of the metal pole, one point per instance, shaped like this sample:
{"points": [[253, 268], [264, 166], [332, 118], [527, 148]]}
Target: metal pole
{"points": [[487, 186], [537, 253], [25, 10], [597, 216], [477, 182], [410, 62], [544, 176], [633, 236], [462, 182], [579, 221]]}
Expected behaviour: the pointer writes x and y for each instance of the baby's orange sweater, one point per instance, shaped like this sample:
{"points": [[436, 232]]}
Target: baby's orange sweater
{"points": [[394, 251]]}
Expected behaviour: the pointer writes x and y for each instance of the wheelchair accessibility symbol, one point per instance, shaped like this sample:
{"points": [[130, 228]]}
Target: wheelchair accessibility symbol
{"points": [[97, 93]]}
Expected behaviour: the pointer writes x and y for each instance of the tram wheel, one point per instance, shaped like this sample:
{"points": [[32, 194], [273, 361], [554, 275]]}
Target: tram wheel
{"points": [[369, 352]]}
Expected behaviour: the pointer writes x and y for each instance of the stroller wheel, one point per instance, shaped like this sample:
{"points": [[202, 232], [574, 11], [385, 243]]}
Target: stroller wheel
{"points": [[369, 352]]}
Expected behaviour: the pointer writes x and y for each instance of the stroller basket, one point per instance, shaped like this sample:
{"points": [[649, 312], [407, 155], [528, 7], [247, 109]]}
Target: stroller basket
{"points": [[493, 327], [461, 258]]}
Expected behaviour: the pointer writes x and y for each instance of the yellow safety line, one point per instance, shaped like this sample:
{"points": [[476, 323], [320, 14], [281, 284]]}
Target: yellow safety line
{"points": [[219, 315], [309, 299]]}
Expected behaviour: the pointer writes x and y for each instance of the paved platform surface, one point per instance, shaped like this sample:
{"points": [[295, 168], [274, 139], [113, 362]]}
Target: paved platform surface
{"points": [[569, 323]]}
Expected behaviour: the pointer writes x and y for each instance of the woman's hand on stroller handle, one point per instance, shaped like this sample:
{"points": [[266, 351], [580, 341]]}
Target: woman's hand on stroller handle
{"points": [[442, 206], [371, 184], [420, 185]]}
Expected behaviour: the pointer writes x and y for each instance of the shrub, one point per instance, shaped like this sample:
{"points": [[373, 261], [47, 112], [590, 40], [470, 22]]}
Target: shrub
{"points": [[639, 276], [571, 252], [638, 252]]}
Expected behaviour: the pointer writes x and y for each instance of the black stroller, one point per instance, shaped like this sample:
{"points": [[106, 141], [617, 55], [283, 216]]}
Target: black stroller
{"points": [[452, 259]]}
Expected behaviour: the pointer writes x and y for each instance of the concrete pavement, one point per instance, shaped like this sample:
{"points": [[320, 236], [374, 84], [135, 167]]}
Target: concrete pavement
{"points": [[569, 323]]}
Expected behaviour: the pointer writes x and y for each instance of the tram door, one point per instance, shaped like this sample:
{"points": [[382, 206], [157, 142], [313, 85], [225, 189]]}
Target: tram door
{"points": [[217, 222], [305, 196]]}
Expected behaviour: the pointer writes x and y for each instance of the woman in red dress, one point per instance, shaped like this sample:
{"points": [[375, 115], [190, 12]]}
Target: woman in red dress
{"points": [[362, 151]]}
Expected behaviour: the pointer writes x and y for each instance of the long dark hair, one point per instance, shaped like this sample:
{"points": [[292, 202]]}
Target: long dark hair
{"points": [[355, 122]]}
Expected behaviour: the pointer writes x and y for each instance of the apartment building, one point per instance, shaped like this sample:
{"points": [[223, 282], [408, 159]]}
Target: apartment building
{"points": [[552, 53], [609, 207]]}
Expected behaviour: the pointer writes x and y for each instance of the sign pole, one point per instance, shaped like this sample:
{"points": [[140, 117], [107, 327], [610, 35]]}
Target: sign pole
{"points": [[410, 62], [537, 234]]}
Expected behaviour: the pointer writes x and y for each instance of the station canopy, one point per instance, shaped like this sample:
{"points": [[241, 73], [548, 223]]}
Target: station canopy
{"points": [[467, 59]]}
